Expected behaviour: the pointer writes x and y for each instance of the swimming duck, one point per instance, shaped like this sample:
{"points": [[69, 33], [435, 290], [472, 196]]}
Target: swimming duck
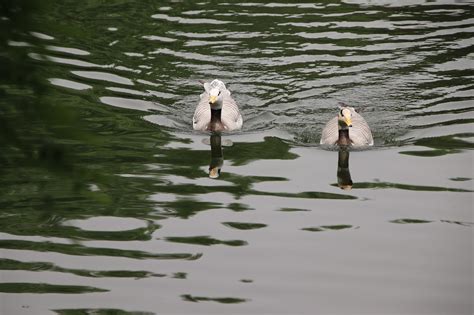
{"points": [[217, 110], [347, 128]]}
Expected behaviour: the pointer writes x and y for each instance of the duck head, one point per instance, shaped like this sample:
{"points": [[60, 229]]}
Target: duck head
{"points": [[344, 119], [215, 98]]}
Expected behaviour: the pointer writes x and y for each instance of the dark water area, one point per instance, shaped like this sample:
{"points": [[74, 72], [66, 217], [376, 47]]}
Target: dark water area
{"points": [[106, 204]]}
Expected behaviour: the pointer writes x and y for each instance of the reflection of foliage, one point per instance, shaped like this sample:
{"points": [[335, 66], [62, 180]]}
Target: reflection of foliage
{"points": [[224, 300], [385, 185], [204, 240], [33, 130], [271, 148], [244, 225], [55, 146], [9, 264], [185, 208], [29, 124], [442, 145], [327, 227], [21, 224], [407, 221], [100, 311], [20, 287], [80, 250]]}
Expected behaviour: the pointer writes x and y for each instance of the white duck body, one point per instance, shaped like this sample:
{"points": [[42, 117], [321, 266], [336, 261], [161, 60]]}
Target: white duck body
{"points": [[359, 131], [217, 110]]}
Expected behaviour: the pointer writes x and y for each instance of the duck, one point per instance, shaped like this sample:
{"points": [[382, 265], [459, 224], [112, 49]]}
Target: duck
{"points": [[217, 110], [348, 128]]}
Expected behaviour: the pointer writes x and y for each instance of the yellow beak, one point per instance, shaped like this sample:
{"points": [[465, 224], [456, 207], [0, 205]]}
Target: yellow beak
{"points": [[348, 121], [212, 99]]}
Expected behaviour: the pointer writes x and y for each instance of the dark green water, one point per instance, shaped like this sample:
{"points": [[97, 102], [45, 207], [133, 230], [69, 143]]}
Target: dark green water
{"points": [[106, 206]]}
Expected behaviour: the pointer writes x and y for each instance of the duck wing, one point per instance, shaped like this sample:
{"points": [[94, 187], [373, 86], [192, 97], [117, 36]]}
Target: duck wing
{"points": [[360, 133], [202, 114], [330, 132], [230, 114]]}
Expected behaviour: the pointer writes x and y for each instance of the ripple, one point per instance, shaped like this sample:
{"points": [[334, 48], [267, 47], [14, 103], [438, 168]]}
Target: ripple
{"points": [[79, 250], [223, 300], [103, 76], [244, 225], [127, 91], [9, 264], [409, 221], [159, 38], [342, 35], [99, 311], [107, 224], [68, 50], [42, 36], [328, 228], [132, 104], [293, 210], [41, 288], [69, 84], [66, 61], [360, 185], [204, 240], [182, 20]]}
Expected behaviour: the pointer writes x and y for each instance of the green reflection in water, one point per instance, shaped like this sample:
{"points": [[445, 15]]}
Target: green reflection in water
{"points": [[292, 209], [80, 250], [204, 240], [99, 311], [470, 224], [196, 189], [244, 226], [22, 287], [22, 224], [270, 148], [180, 275], [328, 227], [58, 143], [407, 221], [385, 185], [187, 207], [460, 179], [442, 145], [9, 264], [237, 207], [246, 280], [224, 300]]}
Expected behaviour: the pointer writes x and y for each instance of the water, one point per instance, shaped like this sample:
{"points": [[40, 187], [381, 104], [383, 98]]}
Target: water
{"points": [[106, 203]]}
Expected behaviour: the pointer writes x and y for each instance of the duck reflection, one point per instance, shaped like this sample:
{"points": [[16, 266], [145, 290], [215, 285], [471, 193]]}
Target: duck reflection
{"points": [[344, 180], [217, 156]]}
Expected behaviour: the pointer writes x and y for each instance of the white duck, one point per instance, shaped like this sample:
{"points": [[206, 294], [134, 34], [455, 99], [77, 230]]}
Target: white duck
{"points": [[347, 128], [217, 110]]}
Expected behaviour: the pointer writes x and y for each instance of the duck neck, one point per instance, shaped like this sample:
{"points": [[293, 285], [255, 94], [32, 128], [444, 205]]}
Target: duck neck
{"points": [[216, 123], [344, 137], [216, 115]]}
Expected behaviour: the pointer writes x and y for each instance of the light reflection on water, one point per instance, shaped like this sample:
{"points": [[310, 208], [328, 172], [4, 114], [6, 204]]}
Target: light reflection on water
{"points": [[137, 210]]}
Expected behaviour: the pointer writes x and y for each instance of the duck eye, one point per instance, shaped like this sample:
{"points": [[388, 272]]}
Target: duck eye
{"points": [[219, 93]]}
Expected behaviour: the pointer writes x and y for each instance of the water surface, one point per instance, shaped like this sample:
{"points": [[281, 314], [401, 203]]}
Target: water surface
{"points": [[106, 204]]}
